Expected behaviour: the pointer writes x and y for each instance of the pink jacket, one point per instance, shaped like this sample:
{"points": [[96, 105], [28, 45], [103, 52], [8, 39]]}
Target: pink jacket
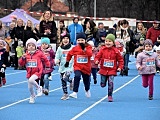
{"points": [[34, 63], [147, 62]]}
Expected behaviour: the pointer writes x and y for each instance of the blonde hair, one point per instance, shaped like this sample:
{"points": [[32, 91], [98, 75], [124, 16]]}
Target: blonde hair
{"points": [[51, 16], [18, 21], [32, 26]]}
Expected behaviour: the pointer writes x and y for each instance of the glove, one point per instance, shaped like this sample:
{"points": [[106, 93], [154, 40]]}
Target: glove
{"points": [[2, 70], [66, 64], [82, 46]]}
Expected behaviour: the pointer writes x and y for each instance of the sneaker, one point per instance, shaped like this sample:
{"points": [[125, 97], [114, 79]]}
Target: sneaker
{"points": [[39, 91], [50, 78], [4, 81], [32, 99], [150, 97], [157, 71], [88, 94], [46, 91], [110, 99], [65, 97], [73, 95], [95, 81]]}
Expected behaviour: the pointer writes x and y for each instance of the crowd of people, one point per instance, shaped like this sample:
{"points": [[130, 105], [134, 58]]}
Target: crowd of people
{"points": [[82, 49]]}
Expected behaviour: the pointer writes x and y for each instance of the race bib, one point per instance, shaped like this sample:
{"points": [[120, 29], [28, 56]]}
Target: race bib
{"points": [[64, 53], [92, 58], [108, 63], [31, 63], [82, 59], [150, 62]]}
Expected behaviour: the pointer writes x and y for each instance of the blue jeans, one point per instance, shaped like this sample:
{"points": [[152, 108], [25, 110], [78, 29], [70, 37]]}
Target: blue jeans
{"points": [[46, 81], [126, 60]]}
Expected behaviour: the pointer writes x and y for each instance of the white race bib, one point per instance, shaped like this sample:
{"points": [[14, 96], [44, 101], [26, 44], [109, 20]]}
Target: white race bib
{"points": [[82, 59]]}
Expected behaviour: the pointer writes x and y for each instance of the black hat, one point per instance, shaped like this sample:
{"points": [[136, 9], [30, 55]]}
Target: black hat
{"points": [[80, 35]]}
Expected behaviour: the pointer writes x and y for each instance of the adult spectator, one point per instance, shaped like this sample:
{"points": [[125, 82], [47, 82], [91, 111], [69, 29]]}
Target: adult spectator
{"points": [[48, 27], [113, 29], [36, 32], [74, 29], [153, 32], [18, 33], [2, 31]]}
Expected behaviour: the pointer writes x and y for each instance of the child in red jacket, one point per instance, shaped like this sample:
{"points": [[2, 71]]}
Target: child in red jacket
{"points": [[33, 61], [82, 53], [110, 61]]}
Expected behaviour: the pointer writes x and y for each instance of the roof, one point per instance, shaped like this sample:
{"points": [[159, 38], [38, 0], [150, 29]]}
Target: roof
{"points": [[56, 6]]}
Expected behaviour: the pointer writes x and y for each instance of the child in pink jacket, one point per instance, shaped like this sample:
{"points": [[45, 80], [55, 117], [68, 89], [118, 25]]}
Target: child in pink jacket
{"points": [[146, 65]]}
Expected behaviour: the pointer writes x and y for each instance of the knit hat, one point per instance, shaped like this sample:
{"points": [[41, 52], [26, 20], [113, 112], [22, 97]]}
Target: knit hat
{"points": [[31, 40], [64, 34], [20, 43], [102, 34], [141, 39], [91, 43], [39, 43], [81, 35], [148, 42], [2, 41], [111, 37], [45, 40]]}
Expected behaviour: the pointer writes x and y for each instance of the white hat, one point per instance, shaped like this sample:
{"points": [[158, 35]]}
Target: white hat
{"points": [[91, 43], [4, 43], [158, 48], [39, 43], [31, 40]]}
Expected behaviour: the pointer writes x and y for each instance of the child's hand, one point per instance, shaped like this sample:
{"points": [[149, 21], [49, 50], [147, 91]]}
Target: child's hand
{"points": [[119, 69], [140, 68], [3, 65], [96, 62]]}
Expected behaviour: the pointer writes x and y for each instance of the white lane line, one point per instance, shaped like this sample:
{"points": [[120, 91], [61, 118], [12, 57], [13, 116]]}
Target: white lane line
{"points": [[20, 82], [96, 103], [9, 105], [15, 73]]}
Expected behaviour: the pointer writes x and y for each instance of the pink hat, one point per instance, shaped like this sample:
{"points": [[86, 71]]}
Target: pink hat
{"points": [[31, 40]]}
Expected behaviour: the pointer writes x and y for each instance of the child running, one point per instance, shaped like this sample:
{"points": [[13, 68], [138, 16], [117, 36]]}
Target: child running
{"points": [[60, 59], [49, 53], [3, 62], [146, 65], [111, 61], [33, 60], [82, 53]]}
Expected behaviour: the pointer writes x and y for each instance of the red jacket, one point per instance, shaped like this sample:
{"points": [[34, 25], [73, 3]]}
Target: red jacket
{"points": [[110, 59], [94, 53], [153, 34], [34, 63], [82, 58]]}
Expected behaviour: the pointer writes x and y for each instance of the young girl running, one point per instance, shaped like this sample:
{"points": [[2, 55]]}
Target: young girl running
{"points": [[61, 54], [146, 65], [34, 67]]}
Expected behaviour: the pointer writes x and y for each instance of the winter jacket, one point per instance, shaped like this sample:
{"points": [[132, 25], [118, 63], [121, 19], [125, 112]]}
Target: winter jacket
{"points": [[153, 34], [49, 25], [61, 55], [20, 51], [33, 63], [3, 57], [94, 53], [110, 59], [73, 30], [49, 53], [82, 58], [147, 62]]}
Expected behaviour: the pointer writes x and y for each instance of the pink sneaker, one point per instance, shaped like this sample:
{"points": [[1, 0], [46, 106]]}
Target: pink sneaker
{"points": [[110, 99]]}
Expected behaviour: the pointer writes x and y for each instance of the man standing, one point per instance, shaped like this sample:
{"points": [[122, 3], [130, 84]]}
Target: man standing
{"points": [[74, 29], [153, 32]]}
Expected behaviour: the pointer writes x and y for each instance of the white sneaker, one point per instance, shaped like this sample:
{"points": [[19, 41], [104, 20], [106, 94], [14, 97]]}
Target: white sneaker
{"points": [[73, 95], [32, 99], [39, 91], [88, 93], [65, 97], [50, 78]]}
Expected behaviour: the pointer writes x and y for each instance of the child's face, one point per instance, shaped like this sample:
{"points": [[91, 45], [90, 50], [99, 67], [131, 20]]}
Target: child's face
{"points": [[1, 45], [44, 45], [31, 47], [103, 38], [109, 43], [141, 41], [8, 37], [65, 41], [148, 47], [80, 40], [158, 52]]}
